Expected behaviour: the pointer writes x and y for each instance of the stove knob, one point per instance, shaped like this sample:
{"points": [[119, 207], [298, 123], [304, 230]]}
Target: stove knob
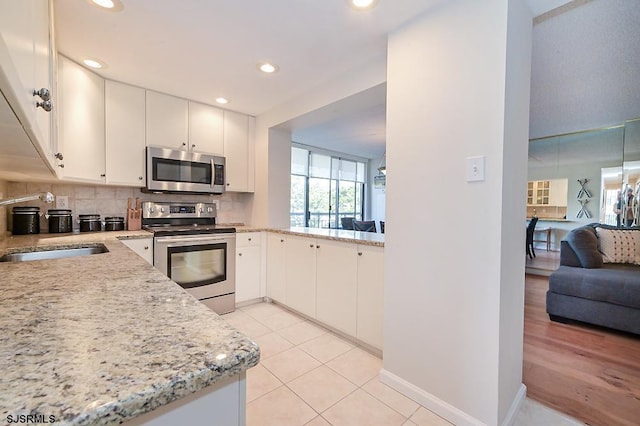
{"points": [[209, 210], [161, 209], [201, 210], [151, 210]]}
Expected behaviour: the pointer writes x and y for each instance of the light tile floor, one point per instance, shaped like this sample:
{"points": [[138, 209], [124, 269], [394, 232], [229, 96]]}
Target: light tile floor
{"points": [[308, 375]]}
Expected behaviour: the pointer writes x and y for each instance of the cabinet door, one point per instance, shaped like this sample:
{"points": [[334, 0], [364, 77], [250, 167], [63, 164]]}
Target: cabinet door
{"points": [[236, 143], [558, 189], [205, 129], [167, 121], [336, 272], [370, 295], [276, 267], [142, 246], [25, 59], [300, 278], [248, 268], [43, 77], [125, 134], [81, 100]]}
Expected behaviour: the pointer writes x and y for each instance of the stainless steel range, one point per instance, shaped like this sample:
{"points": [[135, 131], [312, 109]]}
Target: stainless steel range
{"points": [[193, 251]]}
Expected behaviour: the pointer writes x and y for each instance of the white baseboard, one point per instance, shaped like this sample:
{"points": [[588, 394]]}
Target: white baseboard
{"points": [[516, 404], [444, 409]]}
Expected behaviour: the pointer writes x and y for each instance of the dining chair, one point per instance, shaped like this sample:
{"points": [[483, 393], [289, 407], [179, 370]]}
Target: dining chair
{"points": [[364, 225], [347, 223], [530, 230]]}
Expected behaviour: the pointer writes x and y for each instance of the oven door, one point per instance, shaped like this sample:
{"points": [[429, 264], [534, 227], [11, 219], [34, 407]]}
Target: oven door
{"points": [[203, 265]]}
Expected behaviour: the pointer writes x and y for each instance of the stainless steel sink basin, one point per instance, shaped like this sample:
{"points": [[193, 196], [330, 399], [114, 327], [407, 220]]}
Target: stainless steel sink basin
{"points": [[54, 253]]}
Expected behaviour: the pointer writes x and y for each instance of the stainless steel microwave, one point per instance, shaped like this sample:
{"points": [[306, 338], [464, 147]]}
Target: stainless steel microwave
{"points": [[170, 170]]}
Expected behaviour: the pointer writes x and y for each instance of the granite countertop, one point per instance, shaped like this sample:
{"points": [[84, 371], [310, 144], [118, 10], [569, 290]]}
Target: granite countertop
{"points": [[102, 338], [364, 238]]}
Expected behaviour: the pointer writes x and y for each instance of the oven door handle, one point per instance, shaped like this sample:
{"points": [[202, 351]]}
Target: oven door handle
{"points": [[172, 240]]}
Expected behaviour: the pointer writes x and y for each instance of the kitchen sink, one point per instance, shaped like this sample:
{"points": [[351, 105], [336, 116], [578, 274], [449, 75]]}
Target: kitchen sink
{"points": [[54, 253]]}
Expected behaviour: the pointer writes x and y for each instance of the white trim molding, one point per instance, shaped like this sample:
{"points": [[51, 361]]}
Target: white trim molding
{"points": [[444, 409]]}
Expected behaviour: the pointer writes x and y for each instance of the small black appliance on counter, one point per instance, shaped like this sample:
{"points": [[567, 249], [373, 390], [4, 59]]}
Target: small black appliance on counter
{"points": [[26, 220]]}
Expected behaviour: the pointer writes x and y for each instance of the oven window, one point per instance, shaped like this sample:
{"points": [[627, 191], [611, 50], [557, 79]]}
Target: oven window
{"points": [[198, 265], [167, 170]]}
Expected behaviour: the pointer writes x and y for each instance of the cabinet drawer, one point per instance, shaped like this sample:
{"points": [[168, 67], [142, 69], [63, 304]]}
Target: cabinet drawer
{"points": [[248, 239]]}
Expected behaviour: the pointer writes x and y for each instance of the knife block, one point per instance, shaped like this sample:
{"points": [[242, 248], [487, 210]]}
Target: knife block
{"points": [[134, 219]]}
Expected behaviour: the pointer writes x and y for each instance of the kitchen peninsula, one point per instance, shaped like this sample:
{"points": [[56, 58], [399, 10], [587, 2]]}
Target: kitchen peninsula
{"points": [[104, 339]]}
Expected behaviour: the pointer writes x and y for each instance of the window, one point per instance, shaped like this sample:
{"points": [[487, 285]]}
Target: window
{"points": [[324, 189]]}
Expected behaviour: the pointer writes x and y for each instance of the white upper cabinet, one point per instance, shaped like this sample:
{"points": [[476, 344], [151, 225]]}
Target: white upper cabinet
{"points": [[27, 65], [167, 121], [178, 123], [82, 125], [205, 129], [125, 134], [238, 151]]}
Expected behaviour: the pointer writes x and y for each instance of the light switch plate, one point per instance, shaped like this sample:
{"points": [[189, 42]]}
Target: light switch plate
{"points": [[475, 169], [62, 201]]}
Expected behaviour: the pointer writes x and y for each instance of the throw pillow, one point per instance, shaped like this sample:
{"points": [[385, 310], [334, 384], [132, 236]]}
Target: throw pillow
{"points": [[619, 245], [584, 243]]}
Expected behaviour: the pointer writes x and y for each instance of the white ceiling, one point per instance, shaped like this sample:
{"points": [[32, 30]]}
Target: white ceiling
{"points": [[203, 49]]}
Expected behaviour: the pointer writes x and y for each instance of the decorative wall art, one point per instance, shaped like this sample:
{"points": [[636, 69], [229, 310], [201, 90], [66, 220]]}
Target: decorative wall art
{"points": [[584, 196]]}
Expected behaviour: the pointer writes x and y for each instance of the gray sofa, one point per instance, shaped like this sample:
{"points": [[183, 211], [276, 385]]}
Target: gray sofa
{"points": [[588, 290]]}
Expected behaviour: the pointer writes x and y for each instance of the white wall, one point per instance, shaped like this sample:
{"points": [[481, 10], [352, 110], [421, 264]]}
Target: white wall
{"points": [[270, 205], [511, 391], [375, 198], [448, 272]]}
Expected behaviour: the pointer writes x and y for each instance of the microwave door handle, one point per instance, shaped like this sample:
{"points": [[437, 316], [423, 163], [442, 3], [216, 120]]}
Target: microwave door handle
{"points": [[172, 240], [213, 174]]}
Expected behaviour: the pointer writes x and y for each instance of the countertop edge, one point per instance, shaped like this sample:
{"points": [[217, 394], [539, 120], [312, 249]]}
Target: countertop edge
{"points": [[357, 238]]}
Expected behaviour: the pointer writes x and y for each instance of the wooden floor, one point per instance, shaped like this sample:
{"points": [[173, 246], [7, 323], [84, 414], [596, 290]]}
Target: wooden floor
{"points": [[587, 372]]}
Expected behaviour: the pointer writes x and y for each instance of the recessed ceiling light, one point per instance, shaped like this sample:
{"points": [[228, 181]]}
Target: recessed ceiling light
{"points": [[222, 100], [267, 67], [111, 5], [362, 4], [94, 63]]}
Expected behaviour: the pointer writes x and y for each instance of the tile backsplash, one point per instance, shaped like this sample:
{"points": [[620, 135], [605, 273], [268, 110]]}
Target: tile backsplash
{"points": [[112, 201], [3, 210]]}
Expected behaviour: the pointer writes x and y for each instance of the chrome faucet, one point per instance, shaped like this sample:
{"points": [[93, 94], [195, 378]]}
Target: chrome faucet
{"points": [[47, 197]]}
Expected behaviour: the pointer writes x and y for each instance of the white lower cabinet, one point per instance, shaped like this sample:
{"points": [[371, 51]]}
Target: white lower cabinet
{"points": [[142, 246], [370, 295], [276, 267], [249, 266], [340, 284], [300, 276], [336, 276]]}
